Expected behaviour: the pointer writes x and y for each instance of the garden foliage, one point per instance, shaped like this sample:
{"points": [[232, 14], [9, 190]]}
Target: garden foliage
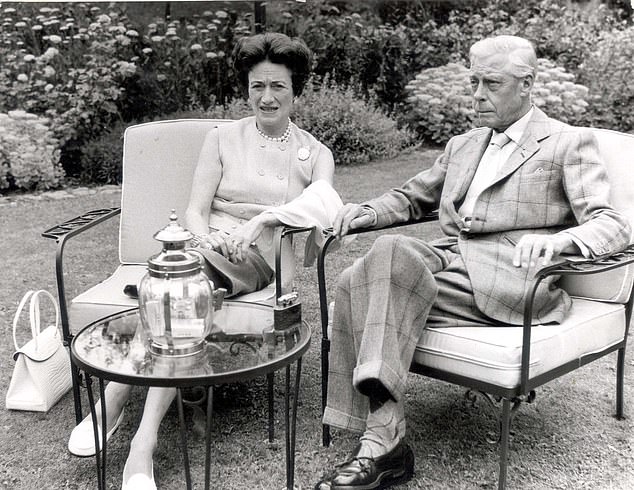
{"points": [[440, 101], [90, 70], [29, 153]]}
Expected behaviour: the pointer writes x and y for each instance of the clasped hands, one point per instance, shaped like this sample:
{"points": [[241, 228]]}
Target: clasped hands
{"points": [[233, 245], [531, 251]]}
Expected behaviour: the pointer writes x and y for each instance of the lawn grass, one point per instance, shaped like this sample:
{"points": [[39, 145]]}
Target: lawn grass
{"points": [[566, 439]]}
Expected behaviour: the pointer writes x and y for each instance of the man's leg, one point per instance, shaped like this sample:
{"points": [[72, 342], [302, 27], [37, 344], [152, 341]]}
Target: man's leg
{"points": [[381, 306]]}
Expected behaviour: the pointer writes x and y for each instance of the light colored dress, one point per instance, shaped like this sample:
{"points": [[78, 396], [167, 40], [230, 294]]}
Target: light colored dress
{"points": [[257, 175]]}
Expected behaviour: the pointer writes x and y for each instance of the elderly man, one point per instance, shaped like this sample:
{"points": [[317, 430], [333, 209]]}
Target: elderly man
{"points": [[512, 195]]}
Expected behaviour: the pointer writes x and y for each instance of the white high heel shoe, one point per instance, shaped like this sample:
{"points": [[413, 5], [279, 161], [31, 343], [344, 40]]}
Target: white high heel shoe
{"points": [[82, 439], [138, 481]]}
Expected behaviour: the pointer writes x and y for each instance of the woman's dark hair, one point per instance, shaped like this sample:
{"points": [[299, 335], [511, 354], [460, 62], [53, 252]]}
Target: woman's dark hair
{"points": [[276, 48]]}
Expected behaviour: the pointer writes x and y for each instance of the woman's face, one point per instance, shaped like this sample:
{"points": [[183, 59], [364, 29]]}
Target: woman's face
{"points": [[271, 96]]}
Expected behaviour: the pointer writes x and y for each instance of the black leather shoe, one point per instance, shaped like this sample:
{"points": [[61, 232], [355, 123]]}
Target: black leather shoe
{"points": [[357, 473]]}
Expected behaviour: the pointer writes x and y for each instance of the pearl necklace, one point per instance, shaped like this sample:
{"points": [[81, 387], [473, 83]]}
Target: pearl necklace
{"points": [[279, 139]]}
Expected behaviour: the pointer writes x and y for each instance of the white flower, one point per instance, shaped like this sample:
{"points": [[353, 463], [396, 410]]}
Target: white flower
{"points": [[50, 53], [104, 19], [23, 78], [147, 50], [55, 39], [48, 87], [196, 47], [49, 71], [157, 39], [20, 24], [132, 33], [29, 58]]}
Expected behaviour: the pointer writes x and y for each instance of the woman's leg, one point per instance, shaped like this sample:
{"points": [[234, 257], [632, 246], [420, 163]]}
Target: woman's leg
{"points": [[144, 441], [81, 441]]}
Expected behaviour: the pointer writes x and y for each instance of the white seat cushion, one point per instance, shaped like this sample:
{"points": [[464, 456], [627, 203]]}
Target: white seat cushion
{"points": [[493, 354], [110, 290]]}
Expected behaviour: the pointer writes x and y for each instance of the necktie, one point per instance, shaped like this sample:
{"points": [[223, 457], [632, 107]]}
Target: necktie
{"points": [[498, 140], [485, 174]]}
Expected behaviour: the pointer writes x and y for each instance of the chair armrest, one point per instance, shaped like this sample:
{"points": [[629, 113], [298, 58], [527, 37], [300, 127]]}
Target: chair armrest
{"points": [[62, 232], [282, 232], [570, 267], [321, 273], [77, 225]]}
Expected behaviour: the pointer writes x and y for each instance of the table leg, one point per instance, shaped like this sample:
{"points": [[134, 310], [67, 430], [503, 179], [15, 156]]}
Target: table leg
{"points": [[101, 484], [210, 406], [183, 434], [291, 424], [104, 423]]}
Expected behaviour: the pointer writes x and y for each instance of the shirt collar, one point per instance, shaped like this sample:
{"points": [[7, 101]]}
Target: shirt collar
{"points": [[516, 130]]}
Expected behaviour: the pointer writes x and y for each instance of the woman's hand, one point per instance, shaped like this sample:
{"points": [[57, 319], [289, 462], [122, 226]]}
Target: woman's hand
{"points": [[218, 241], [248, 233]]}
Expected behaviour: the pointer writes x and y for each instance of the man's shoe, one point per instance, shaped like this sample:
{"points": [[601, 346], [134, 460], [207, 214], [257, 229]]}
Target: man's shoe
{"points": [[82, 438], [357, 473]]}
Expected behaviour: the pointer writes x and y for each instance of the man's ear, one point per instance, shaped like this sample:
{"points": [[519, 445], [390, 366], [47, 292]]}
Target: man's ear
{"points": [[527, 84]]}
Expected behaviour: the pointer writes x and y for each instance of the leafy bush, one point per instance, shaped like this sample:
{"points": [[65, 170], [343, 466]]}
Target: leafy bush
{"points": [[441, 103], [608, 72], [29, 154], [355, 130]]}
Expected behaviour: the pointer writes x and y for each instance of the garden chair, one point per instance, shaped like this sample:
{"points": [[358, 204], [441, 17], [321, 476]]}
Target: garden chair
{"points": [[158, 164], [507, 364]]}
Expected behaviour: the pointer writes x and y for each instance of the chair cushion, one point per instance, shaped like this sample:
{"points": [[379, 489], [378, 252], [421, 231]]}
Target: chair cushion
{"points": [[110, 290], [614, 285], [159, 159], [493, 354]]}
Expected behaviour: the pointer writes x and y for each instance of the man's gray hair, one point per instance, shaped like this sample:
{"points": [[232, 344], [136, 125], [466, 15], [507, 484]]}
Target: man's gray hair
{"points": [[521, 53]]}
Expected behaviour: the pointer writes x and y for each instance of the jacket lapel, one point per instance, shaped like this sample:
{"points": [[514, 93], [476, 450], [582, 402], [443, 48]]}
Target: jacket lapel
{"points": [[472, 155], [537, 129]]}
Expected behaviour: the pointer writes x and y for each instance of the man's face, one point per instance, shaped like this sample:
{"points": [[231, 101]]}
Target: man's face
{"points": [[499, 98]]}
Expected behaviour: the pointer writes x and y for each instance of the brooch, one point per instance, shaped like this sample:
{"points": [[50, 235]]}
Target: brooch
{"points": [[303, 153]]}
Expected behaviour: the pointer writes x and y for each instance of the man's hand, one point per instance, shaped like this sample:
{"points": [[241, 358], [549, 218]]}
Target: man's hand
{"points": [[532, 247], [350, 217]]}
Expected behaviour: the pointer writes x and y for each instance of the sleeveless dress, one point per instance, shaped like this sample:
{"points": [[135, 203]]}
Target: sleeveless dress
{"points": [[257, 175]]}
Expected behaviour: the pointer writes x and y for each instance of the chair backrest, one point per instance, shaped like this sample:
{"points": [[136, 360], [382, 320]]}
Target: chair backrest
{"points": [[617, 150], [158, 165]]}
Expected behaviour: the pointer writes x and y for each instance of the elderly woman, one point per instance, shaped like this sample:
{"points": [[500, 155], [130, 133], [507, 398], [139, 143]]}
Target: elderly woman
{"points": [[245, 169]]}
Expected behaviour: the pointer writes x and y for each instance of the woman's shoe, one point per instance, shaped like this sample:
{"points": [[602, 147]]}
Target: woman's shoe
{"points": [[138, 481], [82, 439]]}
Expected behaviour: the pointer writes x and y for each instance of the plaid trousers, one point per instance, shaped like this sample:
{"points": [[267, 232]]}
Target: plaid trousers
{"points": [[382, 303]]}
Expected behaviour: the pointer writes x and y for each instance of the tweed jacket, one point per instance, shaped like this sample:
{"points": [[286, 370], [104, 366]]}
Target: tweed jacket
{"points": [[553, 181]]}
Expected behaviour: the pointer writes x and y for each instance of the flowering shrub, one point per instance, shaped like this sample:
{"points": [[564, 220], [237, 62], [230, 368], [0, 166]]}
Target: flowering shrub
{"points": [[608, 72], [440, 102], [29, 154], [86, 69], [354, 129]]}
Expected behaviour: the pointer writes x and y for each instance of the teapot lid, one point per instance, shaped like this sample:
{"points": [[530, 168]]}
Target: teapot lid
{"points": [[173, 232], [173, 259]]}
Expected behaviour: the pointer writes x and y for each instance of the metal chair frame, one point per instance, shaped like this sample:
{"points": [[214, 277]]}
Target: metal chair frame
{"points": [[510, 398]]}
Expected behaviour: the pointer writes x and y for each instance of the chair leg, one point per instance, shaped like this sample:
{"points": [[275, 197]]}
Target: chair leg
{"points": [[76, 379], [270, 378], [505, 428], [620, 373], [325, 352]]}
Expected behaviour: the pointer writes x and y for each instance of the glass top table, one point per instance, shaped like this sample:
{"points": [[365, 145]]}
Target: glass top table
{"points": [[243, 344]]}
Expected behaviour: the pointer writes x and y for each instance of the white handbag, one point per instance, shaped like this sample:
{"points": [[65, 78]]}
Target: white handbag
{"points": [[42, 372]]}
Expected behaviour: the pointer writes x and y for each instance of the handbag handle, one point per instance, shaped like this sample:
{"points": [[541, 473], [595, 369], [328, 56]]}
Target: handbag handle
{"points": [[34, 314]]}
